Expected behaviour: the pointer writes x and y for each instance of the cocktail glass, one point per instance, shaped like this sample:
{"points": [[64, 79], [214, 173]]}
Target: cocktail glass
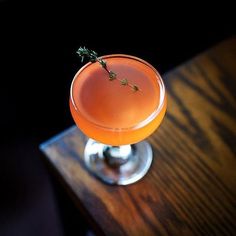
{"points": [[117, 119]]}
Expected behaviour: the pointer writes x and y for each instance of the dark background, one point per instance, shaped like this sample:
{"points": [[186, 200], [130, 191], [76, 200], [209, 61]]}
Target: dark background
{"points": [[38, 42]]}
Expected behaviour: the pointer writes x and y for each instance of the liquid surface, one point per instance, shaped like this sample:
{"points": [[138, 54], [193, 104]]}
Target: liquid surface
{"points": [[112, 113], [108, 103]]}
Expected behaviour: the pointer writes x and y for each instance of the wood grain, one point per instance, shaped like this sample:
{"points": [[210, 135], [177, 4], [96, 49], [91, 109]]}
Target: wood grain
{"points": [[191, 186]]}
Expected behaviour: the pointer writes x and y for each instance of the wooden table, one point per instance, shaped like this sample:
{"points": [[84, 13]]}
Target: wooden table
{"points": [[191, 186]]}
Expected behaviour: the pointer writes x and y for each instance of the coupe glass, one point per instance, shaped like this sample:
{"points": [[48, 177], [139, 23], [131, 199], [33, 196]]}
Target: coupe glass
{"points": [[117, 119]]}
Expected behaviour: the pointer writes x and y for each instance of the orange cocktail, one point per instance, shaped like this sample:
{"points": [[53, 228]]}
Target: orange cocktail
{"points": [[112, 113]]}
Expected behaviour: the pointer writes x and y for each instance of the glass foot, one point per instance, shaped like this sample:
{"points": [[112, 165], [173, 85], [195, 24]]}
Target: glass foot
{"points": [[119, 165]]}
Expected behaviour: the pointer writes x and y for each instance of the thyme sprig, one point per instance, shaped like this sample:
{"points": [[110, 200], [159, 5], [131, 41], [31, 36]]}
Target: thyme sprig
{"points": [[92, 56]]}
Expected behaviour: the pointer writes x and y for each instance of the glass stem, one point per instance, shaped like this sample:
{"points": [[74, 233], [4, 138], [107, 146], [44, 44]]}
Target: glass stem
{"points": [[117, 155]]}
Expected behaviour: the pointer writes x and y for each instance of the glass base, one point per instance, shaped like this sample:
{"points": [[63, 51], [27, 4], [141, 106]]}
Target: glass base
{"points": [[128, 166]]}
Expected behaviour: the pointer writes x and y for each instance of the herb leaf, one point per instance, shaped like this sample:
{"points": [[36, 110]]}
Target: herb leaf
{"points": [[112, 75], [124, 82]]}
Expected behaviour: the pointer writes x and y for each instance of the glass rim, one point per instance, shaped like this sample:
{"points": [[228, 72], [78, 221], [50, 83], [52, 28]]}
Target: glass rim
{"points": [[141, 124]]}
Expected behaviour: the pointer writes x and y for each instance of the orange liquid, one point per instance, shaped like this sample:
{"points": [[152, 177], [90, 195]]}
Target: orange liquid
{"points": [[111, 113]]}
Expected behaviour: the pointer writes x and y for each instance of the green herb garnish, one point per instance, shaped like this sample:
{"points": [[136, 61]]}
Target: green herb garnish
{"points": [[93, 57]]}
